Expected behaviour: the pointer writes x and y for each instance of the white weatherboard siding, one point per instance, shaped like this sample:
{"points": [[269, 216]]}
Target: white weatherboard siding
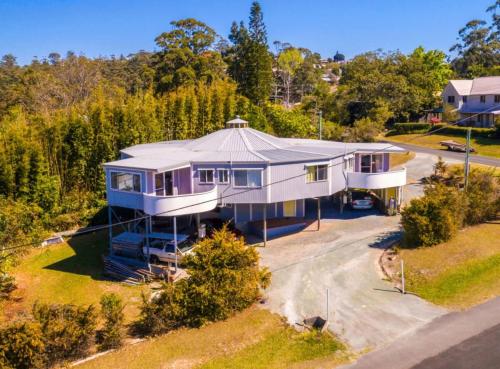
{"points": [[180, 205], [373, 181]]}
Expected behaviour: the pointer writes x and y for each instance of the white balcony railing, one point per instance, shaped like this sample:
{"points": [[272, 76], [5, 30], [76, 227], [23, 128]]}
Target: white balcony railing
{"points": [[180, 205], [373, 181]]}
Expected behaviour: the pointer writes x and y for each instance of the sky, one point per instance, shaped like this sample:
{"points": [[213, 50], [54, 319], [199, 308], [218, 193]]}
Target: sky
{"points": [[30, 28]]}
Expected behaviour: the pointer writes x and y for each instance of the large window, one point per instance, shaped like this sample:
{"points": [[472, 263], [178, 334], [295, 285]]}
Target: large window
{"points": [[317, 173], [247, 177], [124, 181], [372, 163], [223, 175], [451, 99], [497, 99], [482, 98], [206, 175], [464, 99]]}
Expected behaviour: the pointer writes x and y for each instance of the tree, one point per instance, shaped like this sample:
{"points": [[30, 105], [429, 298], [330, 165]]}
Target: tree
{"points": [[224, 277], [478, 47], [187, 55], [250, 62], [289, 62]]}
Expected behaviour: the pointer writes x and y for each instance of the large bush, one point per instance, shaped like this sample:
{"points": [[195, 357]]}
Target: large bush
{"points": [[22, 346], [433, 218], [68, 330], [224, 277]]}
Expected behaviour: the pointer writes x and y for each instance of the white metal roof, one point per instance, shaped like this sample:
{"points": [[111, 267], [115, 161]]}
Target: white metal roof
{"points": [[477, 86], [232, 145], [463, 86]]}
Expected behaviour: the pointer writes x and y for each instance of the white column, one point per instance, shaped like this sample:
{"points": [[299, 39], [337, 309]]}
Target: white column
{"points": [[175, 242]]}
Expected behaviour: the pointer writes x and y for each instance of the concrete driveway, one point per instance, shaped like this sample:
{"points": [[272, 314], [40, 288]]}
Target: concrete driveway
{"points": [[364, 309]]}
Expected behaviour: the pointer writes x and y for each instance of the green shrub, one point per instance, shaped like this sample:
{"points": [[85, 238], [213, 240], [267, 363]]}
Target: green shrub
{"points": [[364, 130], [462, 131], [483, 195], [68, 330], [22, 346], [7, 285], [434, 217], [406, 128], [111, 336], [224, 277]]}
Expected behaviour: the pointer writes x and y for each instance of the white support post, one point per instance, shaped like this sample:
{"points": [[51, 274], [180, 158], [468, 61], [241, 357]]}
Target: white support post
{"points": [[175, 242], [403, 290], [319, 212], [148, 255], [467, 153], [110, 230], [265, 225]]}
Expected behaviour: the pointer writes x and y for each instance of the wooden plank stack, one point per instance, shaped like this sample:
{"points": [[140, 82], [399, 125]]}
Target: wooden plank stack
{"points": [[123, 273]]}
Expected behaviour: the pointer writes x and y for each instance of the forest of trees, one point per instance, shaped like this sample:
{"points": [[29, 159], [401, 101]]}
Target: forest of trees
{"points": [[62, 117]]}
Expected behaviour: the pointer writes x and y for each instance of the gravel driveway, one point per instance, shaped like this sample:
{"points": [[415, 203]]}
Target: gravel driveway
{"points": [[364, 309]]}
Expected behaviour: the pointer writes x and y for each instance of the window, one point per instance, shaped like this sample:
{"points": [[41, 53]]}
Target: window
{"points": [[206, 175], [451, 99], [482, 98], [223, 175], [372, 163], [317, 173], [464, 99], [123, 181], [164, 184], [497, 99], [247, 178]]}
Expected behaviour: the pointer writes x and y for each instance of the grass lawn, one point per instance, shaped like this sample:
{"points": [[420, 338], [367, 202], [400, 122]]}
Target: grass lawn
{"points": [[252, 339], [459, 273], [483, 146], [67, 273], [396, 159]]}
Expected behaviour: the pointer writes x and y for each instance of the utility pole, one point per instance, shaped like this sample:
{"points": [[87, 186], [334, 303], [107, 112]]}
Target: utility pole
{"points": [[320, 125], [467, 153]]}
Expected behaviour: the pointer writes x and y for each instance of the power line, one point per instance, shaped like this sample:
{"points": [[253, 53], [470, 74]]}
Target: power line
{"points": [[106, 226]]}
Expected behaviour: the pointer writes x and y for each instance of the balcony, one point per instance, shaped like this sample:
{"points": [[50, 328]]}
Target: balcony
{"points": [[180, 205], [373, 181]]}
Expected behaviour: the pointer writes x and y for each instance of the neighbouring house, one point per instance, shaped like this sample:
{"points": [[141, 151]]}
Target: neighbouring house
{"points": [[244, 175], [476, 100]]}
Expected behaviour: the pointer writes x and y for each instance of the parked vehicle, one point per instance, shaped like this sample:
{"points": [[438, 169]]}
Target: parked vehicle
{"points": [[362, 200], [455, 146], [164, 251]]}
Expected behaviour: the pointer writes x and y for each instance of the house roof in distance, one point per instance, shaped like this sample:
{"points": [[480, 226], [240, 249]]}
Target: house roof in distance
{"points": [[233, 145], [477, 86]]}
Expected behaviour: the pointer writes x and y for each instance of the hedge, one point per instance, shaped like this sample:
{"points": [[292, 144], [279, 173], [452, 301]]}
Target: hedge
{"points": [[461, 131], [405, 128]]}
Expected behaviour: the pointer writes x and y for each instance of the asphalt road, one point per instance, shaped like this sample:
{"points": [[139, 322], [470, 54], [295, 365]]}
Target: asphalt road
{"points": [[459, 340], [449, 154]]}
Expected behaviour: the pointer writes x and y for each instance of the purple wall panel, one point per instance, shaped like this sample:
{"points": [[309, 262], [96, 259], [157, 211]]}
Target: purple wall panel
{"points": [[386, 162], [182, 181], [357, 163]]}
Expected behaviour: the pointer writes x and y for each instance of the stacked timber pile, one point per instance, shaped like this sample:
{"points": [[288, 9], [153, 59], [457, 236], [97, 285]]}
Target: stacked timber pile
{"points": [[123, 273]]}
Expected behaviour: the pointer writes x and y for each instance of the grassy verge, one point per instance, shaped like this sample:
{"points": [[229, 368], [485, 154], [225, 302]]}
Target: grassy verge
{"points": [[483, 146], [67, 273], [459, 273], [397, 159], [253, 339]]}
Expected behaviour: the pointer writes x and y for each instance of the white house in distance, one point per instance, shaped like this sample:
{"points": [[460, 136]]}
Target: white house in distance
{"points": [[244, 175], [477, 100]]}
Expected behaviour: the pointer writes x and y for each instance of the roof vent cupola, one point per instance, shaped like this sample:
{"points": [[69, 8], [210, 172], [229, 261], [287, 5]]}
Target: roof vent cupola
{"points": [[237, 123]]}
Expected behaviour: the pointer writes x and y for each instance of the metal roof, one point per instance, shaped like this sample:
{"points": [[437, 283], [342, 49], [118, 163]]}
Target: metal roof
{"points": [[477, 86], [232, 145]]}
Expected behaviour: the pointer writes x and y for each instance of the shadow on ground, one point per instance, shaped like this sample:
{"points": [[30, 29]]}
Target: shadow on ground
{"points": [[87, 260]]}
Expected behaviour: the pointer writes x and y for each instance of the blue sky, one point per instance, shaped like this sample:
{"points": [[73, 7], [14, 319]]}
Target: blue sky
{"points": [[31, 28]]}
